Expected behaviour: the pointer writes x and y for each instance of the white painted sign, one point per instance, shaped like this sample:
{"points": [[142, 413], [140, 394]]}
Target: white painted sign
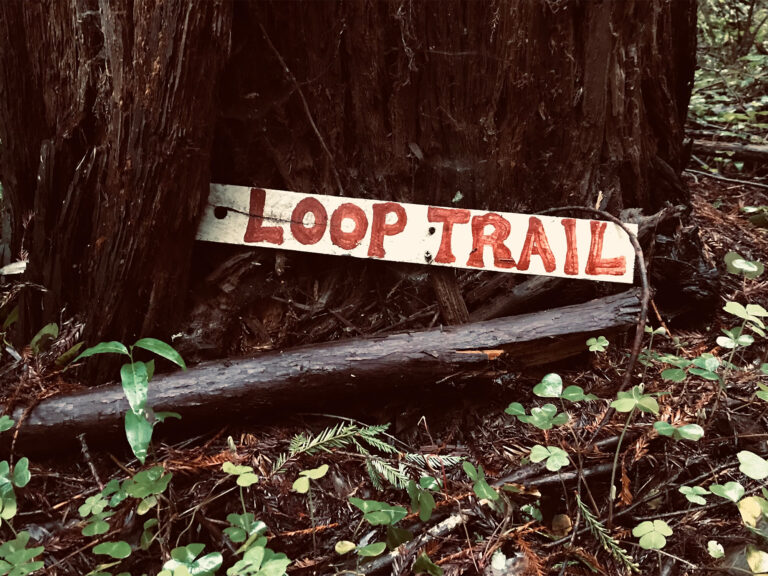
{"points": [[474, 239]]}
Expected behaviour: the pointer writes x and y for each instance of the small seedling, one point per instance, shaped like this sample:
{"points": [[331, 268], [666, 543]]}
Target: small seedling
{"points": [[694, 494], [245, 478], [715, 549], [17, 559], [189, 558], [140, 420], [551, 386], [543, 418], [598, 344], [555, 457], [345, 547], [424, 565], [735, 263], [686, 432], [118, 550], [629, 401], [421, 496], [379, 513], [302, 486], [243, 527], [259, 560], [19, 477], [652, 534], [480, 485]]}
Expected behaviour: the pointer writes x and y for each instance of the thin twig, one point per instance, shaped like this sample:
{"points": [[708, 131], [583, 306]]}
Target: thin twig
{"points": [[724, 179], [644, 299], [89, 461]]}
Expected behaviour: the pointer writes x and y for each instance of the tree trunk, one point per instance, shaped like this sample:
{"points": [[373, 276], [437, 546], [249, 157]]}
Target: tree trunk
{"points": [[515, 106], [107, 121], [108, 114]]}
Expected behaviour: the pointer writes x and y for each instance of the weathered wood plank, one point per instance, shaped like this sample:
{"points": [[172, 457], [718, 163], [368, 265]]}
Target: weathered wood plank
{"points": [[418, 234]]}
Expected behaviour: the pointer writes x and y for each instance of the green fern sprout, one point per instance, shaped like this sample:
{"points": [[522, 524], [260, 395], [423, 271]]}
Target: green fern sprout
{"points": [[606, 540]]}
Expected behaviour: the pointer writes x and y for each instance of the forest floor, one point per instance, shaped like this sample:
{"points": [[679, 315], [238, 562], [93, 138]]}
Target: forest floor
{"points": [[524, 519]]}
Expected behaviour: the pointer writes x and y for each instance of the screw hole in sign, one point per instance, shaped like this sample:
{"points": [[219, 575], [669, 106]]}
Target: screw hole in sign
{"points": [[220, 212]]}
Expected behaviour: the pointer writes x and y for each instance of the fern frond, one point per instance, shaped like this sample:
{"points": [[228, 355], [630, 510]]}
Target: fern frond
{"points": [[397, 477], [433, 460], [606, 540], [373, 475], [337, 436], [377, 443]]}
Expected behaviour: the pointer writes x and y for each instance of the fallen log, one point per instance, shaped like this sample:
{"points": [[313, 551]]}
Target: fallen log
{"points": [[753, 152], [303, 378]]}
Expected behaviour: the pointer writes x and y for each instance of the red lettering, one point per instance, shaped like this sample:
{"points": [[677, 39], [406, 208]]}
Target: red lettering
{"points": [[348, 240], [449, 217], [312, 234], [380, 228], [502, 257], [536, 243], [256, 231], [596, 264], [571, 255]]}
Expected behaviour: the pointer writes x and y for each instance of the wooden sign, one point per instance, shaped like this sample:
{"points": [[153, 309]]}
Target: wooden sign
{"points": [[394, 231]]}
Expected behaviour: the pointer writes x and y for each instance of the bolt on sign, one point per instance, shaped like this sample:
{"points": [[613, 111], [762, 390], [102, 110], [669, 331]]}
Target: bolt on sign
{"points": [[414, 233]]}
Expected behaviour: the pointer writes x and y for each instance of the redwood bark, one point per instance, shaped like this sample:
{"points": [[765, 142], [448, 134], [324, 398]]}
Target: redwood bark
{"points": [[108, 110], [106, 118], [517, 106]]}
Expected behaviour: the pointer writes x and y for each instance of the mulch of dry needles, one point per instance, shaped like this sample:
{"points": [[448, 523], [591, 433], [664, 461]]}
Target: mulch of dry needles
{"points": [[468, 424]]}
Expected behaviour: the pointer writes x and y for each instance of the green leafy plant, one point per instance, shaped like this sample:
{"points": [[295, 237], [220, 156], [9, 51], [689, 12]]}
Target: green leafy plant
{"points": [[652, 534], [752, 465], [16, 559], [244, 527], [345, 547], [543, 418], [302, 486], [598, 344], [18, 478], [715, 549], [379, 513], [705, 366], [629, 402], [694, 494], [692, 432], [93, 510], [735, 263], [189, 558], [480, 485], [147, 485], [555, 457], [424, 565], [421, 496], [140, 420], [551, 386], [118, 550], [732, 491], [258, 560]]}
